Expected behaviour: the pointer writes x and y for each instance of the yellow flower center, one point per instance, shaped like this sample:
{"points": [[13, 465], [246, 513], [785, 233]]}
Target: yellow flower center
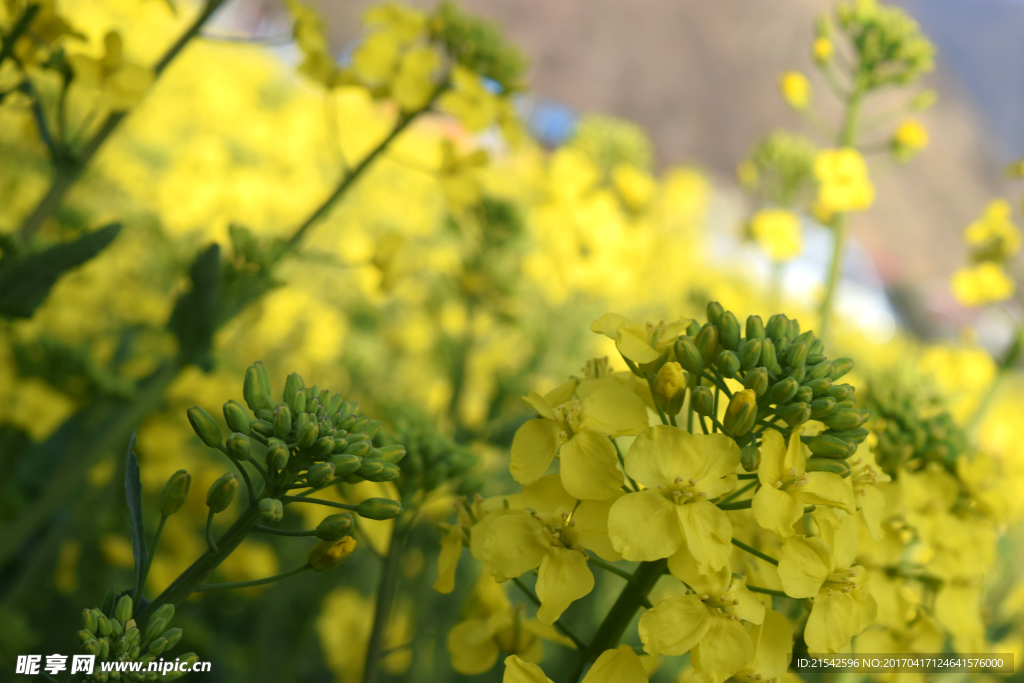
{"points": [[682, 491], [840, 580], [720, 606], [791, 480], [569, 415], [863, 475], [561, 533]]}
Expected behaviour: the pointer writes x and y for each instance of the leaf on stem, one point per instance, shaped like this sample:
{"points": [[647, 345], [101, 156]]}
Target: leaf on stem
{"points": [[133, 495]]}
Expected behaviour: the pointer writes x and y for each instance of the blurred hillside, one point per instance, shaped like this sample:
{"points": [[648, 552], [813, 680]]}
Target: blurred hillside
{"points": [[701, 77]]}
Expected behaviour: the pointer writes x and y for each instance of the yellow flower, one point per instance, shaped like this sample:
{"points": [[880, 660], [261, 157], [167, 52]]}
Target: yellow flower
{"points": [[823, 568], [577, 431], [795, 89], [994, 236], [706, 623], [910, 136], [778, 233], [822, 49], [469, 101], [414, 82], [957, 608], [552, 536], [474, 519], [621, 665], [635, 187], [844, 182], [682, 473], [773, 641], [123, 84], [639, 342], [865, 474], [671, 379], [982, 284]]}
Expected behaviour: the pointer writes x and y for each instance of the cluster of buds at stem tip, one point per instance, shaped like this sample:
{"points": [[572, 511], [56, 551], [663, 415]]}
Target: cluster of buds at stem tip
{"points": [[111, 634]]}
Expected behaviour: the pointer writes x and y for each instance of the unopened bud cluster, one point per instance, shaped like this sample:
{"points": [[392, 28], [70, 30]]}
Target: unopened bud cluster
{"points": [[432, 460]]}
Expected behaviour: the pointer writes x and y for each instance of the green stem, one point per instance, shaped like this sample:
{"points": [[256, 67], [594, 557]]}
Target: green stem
{"points": [[741, 505], [149, 560], [382, 610], [622, 461], [281, 532], [609, 567], [767, 591], [209, 587], [740, 492], [7, 41], [747, 475], [754, 551], [580, 645], [209, 531], [328, 503]]}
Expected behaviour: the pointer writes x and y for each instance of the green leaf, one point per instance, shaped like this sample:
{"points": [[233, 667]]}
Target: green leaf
{"points": [[25, 281], [133, 494], [194, 319]]}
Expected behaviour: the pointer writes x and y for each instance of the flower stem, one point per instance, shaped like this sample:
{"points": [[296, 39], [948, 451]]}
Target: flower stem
{"points": [[767, 591], [580, 645], [385, 596], [281, 532], [7, 41], [754, 551], [741, 505], [149, 560], [740, 492], [209, 531], [329, 503], [209, 587], [609, 567]]}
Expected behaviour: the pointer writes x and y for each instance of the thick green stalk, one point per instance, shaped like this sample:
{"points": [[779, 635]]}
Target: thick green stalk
{"points": [[210, 587], [141, 587], [385, 596]]}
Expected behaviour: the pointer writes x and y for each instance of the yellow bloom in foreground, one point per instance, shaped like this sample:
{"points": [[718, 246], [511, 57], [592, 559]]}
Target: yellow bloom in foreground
{"points": [[787, 486], [982, 284], [773, 641], [795, 89], [865, 475], [822, 568], [682, 473], [474, 520], [578, 431], [554, 537], [994, 236], [621, 665], [778, 233], [844, 182], [639, 342]]}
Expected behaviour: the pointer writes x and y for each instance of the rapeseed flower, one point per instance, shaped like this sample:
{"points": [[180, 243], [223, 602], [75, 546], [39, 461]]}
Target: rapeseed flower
{"points": [[985, 283], [777, 231], [843, 180]]}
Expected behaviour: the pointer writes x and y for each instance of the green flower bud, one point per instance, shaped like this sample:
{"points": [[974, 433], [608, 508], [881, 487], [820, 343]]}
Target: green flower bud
{"points": [[794, 329], [327, 555], [840, 392], [116, 628], [750, 458], [822, 369], [840, 366], [155, 627], [390, 472], [301, 420], [282, 421], [855, 436], [703, 400], [693, 329], [252, 390], [123, 611], [174, 493], [271, 510], [335, 527], [359, 424], [796, 355], [803, 395], [298, 402], [846, 418], [319, 474], [795, 414], [266, 414], [741, 413], [688, 356], [345, 463], [707, 343], [829, 447], [340, 442], [264, 375], [91, 647], [372, 427], [292, 385], [238, 447], [783, 390], [729, 331], [798, 374], [334, 404], [804, 337], [221, 493], [750, 354], [277, 457], [820, 407], [777, 327], [205, 426], [768, 359], [104, 648], [308, 435], [86, 635], [840, 467], [172, 636], [263, 428], [728, 363], [393, 453], [714, 311], [158, 646], [781, 346], [89, 617], [370, 468], [133, 636], [165, 611], [236, 417], [819, 386], [757, 381], [379, 508], [323, 448], [103, 626], [360, 448], [755, 327]]}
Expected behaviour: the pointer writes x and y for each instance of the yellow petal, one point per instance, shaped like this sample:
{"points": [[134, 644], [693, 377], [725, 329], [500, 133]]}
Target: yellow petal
{"points": [[773, 456], [613, 411], [591, 527], [448, 560], [674, 626], [872, 507], [563, 393], [773, 641], [661, 454], [722, 652], [621, 665], [533, 449], [538, 403], [589, 467], [564, 577], [748, 607], [548, 497], [776, 510], [708, 533], [472, 647], [796, 451], [721, 457], [515, 544], [826, 488], [683, 566], [644, 526], [804, 566], [833, 622], [631, 341], [608, 324], [518, 671]]}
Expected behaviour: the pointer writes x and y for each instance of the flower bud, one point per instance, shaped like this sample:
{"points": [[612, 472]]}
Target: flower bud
{"points": [[174, 493], [707, 343], [298, 402], [822, 369], [221, 493], [820, 407], [271, 510], [750, 458], [796, 355], [840, 467], [829, 447], [282, 421], [714, 311], [277, 457], [238, 447], [846, 418], [158, 646], [671, 379], [252, 390], [345, 463], [308, 435], [728, 363], [359, 424], [370, 468], [155, 627], [393, 453], [741, 413], [783, 390], [104, 648], [123, 611], [165, 611], [777, 327], [360, 448], [371, 428], [91, 647], [840, 366], [757, 381], [205, 426], [390, 472], [340, 442], [172, 636], [795, 414], [768, 359], [819, 386], [688, 356], [116, 629], [803, 395], [750, 354], [703, 400], [236, 417], [335, 527], [333, 405], [319, 474], [263, 428], [729, 331], [329, 554], [89, 619], [840, 392], [755, 328], [292, 385], [379, 508], [323, 447], [855, 436]]}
